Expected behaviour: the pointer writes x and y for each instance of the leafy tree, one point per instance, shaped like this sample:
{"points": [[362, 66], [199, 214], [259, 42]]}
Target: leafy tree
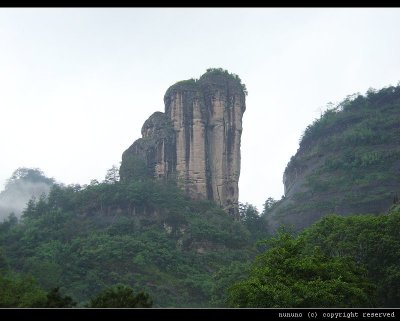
{"points": [[134, 168], [112, 175], [224, 72], [47, 272], [268, 205], [18, 291], [248, 212], [121, 296], [33, 175], [9, 222], [285, 277], [3, 261], [373, 241], [225, 278], [256, 224], [56, 300]]}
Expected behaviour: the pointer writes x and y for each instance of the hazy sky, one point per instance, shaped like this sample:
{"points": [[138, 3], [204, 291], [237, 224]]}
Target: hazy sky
{"points": [[76, 84]]}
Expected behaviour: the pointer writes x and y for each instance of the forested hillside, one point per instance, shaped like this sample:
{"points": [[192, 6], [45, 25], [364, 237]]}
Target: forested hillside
{"points": [[348, 161], [337, 262], [143, 234]]}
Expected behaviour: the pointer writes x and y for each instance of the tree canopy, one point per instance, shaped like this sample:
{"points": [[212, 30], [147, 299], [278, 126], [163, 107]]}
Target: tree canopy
{"points": [[121, 296], [287, 277]]}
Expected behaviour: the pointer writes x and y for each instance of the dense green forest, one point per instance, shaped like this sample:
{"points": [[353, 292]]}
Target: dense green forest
{"points": [[351, 261], [143, 243], [144, 234]]}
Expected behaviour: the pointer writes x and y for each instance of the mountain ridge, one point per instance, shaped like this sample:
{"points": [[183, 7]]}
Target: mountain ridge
{"points": [[347, 161]]}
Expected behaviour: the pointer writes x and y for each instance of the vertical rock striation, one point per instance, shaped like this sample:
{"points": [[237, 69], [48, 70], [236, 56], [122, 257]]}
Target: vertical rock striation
{"points": [[196, 140]]}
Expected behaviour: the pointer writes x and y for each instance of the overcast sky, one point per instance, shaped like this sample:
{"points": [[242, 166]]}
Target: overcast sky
{"points": [[76, 84]]}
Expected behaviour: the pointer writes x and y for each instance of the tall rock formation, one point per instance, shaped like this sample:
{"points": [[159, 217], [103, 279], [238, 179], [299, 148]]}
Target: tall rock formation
{"points": [[196, 140]]}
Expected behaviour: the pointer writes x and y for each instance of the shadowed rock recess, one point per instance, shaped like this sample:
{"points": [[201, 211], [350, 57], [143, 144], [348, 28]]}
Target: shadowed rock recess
{"points": [[196, 140]]}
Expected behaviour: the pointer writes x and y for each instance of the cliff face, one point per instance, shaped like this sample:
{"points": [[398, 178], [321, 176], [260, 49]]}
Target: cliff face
{"points": [[153, 154], [196, 140], [348, 162]]}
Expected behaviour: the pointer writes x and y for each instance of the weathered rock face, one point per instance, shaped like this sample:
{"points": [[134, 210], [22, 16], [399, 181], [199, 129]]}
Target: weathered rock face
{"points": [[197, 140], [153, 154]]}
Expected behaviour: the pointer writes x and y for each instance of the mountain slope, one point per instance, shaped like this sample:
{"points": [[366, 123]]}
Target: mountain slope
{"points": [[348, 162], [144, 233]]}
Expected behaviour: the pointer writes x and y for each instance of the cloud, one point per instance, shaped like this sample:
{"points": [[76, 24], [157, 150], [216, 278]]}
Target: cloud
{"points": [[16, 196]]}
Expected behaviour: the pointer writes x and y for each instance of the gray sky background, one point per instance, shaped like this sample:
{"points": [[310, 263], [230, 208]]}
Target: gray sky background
{"points": [[76, 84]]}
